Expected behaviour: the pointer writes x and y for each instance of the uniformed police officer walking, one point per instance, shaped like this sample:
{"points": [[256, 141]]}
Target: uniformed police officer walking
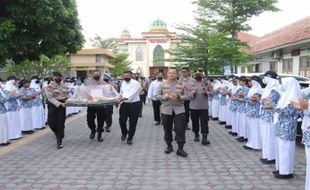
{"points": [[93, 112], [57, 95], [172, 95]]}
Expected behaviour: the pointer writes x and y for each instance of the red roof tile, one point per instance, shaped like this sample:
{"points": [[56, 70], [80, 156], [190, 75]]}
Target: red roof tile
{"points": [[294, 32], [245, 37]]}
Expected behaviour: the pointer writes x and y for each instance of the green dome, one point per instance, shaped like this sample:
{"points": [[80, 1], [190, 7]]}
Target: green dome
{"points": [[158, 26], [125, 34]]}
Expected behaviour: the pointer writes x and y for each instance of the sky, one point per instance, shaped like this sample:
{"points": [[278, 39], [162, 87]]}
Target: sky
{"points": [[108, 18]]}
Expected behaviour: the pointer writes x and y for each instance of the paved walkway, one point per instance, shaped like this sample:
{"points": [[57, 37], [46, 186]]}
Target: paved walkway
{"points": [[35, 163]]}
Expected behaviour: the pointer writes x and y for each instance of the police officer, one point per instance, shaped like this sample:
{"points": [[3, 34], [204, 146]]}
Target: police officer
{"points": [[109, 108], [94, 112], [172, 95], [57, 95], [199, 108], [185, 81]]}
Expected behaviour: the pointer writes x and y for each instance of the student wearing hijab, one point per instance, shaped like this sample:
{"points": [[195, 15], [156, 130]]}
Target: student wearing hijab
{"points": [[27, 95], [4, 127], [210, 95], [223, 101], [252, 114], [13, 108], [37, 108], [303, 104], [228, 113], [285, 121], [270, 98], [215, 99], [234, 105], [241, 116]]}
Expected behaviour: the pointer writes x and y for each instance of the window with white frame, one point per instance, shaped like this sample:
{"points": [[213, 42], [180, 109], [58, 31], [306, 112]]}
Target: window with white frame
{"points": [[304, 66], [139, 54], [287, 66]]}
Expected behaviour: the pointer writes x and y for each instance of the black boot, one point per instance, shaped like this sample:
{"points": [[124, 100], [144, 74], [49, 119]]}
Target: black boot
{"points": [[205, 140], [196, 139], [99, 137], [180, 151], [92, 134], [169, 148], [59, 143]]}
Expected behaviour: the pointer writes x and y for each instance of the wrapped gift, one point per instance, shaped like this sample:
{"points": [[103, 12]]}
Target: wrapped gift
{"points": [[94, 96]]}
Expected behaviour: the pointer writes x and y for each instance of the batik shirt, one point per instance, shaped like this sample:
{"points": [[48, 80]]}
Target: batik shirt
{"points": [[242, 104], [252, 108], [306, 138], [3, 99], [285, 128], [234, 103], [38, 100], [267, 114], [223, 99], [12, 103], [26, 93]]}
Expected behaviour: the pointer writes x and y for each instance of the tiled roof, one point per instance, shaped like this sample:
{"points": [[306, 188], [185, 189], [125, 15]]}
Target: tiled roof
{"points": [[294, 32], [245, 37]]}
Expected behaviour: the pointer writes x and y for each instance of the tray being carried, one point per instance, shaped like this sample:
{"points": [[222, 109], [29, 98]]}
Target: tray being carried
{"points": [[93, 96]]}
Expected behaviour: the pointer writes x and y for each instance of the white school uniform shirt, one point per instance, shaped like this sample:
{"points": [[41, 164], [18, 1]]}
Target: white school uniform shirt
{"points": [[131, 90], [152, 90]]}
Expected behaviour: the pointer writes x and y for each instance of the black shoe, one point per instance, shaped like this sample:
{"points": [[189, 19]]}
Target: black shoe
{"points": [[129, 142], [247, 147], [107, 129], [214, 118], [169, 149], [99, 137], [228, 126], [279, 176], [5, 144], [268, 161], [196, 139], [92, 135], [181, 153], [157, 123], [241, 139], [123, 137], [59, 144], [205, 140], [275, 172], [233, 134], [222, 123]]}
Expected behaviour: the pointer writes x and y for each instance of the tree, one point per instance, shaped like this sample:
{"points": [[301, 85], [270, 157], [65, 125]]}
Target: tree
{"points": [[108, 43], [121, 64], [42, 68], [29, 29], [231, 16]]}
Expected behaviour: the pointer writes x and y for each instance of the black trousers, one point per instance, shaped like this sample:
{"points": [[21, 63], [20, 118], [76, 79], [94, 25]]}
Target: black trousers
{"points": [[200, 120], [186, 106], [57, 119], [92, 114], [141, 105], [179, 127], [131, 111], [108, 115], [156, 109]]}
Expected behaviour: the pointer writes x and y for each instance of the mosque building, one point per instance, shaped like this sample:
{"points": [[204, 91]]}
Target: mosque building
{"points": [[148, 53]]}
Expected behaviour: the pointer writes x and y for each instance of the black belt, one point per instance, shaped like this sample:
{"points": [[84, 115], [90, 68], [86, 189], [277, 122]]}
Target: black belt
{"points": [[62, 101]]}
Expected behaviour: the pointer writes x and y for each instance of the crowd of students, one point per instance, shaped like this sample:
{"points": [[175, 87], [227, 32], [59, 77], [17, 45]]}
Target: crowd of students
{"points": [[23, 107], [263, 113]]}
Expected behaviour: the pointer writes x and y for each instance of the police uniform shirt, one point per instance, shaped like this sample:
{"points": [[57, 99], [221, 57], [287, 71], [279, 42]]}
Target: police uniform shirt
{"points": [[57, 93]]}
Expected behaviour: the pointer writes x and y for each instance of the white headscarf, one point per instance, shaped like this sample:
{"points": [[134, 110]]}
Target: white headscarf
{"points": [[234, 88], [216, 84], [9, 86], [256, 88], [291, 92], [272, 84], [34, 85]]}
